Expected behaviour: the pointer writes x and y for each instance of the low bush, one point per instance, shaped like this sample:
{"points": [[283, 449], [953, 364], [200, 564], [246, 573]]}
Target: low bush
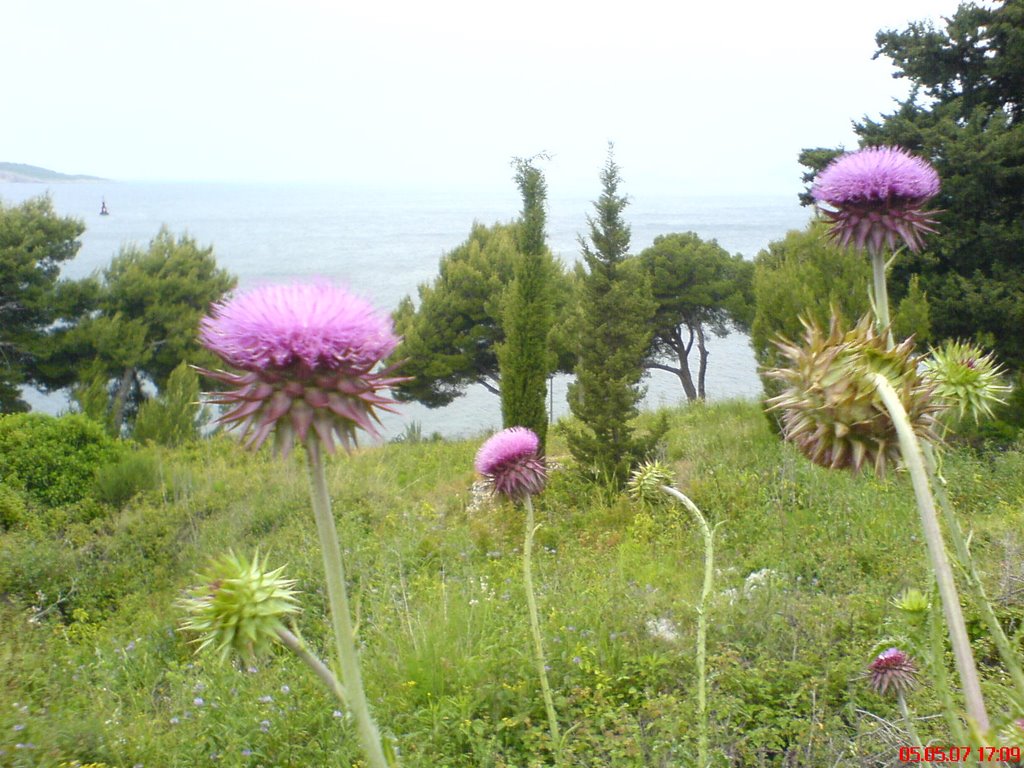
{"points": [[136, 472], [12, 507], [53, 460]]}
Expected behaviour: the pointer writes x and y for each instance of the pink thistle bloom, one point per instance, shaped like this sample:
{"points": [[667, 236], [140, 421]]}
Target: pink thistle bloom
{"points": [[509, 460], [892, 670], [309, 353], [878, 195]]}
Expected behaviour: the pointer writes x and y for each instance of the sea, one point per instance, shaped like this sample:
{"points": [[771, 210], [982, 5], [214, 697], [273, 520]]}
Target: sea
{"points": [[384, 242]]}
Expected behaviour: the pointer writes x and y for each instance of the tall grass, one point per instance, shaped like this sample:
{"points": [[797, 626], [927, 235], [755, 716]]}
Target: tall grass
{"points": [[93, 669]]}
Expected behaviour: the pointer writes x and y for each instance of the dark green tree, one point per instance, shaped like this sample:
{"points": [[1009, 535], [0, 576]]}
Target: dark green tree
{"points": [[964, 114], [806, 276], [150, 305], [699, 290], [527, 312], [35, 304], [450, 340], [614, 329]]}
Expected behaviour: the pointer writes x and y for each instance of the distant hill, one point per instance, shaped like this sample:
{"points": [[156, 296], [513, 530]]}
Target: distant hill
{"points": [[30, 173]]}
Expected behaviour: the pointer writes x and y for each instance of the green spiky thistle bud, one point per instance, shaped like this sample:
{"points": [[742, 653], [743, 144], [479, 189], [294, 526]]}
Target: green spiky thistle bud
{"points": [[966, 379], [831, 408], [912, 602], [239, 606], [645, 483]]}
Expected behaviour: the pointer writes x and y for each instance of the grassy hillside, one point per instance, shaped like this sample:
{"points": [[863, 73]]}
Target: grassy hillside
{"points": [[808, 560]]}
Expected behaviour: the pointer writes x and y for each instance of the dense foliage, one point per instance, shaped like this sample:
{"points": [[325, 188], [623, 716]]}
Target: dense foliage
{"points": [[964, 114], [700, 290], [34, 243], [451, 337], [149, 306], [805, 276], [527, 313], [613, 332], [175, 416], [53, 461]]}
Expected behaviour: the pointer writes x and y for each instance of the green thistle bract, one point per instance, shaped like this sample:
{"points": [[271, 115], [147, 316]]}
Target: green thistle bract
{"points": [[966, 379], [645, 483], [912, 602], [239, 606], [831, 408]]}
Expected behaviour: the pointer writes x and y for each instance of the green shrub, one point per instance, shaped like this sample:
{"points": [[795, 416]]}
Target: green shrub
{"points": [[12, 507], [53, 460], [175, 416], [36, 572], [116, 484]]}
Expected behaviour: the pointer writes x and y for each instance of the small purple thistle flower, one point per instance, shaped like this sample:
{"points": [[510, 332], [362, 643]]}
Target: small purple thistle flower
{"points": [[878, 194], [509, 460], [309, 353], [892, 670]]}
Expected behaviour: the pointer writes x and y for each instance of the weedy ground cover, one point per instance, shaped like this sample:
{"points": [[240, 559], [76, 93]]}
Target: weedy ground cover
{"points": [[93, 669]]}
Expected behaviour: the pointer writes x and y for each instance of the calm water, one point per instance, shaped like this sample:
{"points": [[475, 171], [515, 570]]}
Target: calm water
{"points": [[383, 243]]}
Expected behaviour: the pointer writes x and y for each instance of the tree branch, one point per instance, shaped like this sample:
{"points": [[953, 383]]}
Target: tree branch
{"points": [[486, 382], [662, 367]]}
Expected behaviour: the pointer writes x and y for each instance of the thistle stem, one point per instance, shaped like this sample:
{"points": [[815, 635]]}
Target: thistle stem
{"points": [[348, 660], [910, 725], [702, 622], [881, 294], [321, 670], [913, 457], [940, 676], [538, 647], [972, 577]]}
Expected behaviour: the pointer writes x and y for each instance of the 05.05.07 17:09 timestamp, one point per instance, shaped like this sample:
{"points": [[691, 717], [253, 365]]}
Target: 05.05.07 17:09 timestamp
{"points": [[958, 754]]}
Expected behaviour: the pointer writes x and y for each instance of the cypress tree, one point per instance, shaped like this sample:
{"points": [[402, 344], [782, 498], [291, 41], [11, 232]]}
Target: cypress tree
{"points": [[528, 312], [614, 328]]}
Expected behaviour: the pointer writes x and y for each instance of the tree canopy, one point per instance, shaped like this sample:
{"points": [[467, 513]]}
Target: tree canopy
{"points": [[149, 307], [964, 115], [699, 289], [807, 277], [450, 339], [34, 244], [613, 333], [527, 312]]}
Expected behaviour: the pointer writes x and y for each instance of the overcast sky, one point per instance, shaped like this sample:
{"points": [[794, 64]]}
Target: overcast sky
{"points": [[698, 97]]}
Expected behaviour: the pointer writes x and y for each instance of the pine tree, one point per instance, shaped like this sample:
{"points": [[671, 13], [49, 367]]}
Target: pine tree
{"points": [[614, 329], [528, 313], [965, 114], [37, 308]]}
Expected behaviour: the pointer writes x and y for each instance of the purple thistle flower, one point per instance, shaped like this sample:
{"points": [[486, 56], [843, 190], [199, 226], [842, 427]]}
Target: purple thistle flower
{"points": [[892, 670], [309, 352], [878, 194], [509, 460]]}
